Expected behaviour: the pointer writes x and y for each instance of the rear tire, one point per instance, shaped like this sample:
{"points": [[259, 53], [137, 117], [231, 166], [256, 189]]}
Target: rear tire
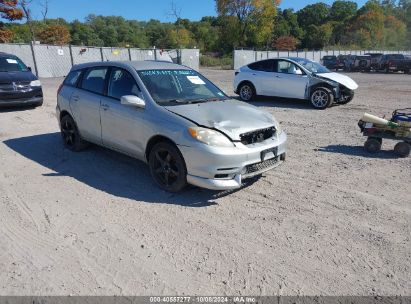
{"points": [[70, 134], [321, 98], [373, 145], [167, 167], [402, 149], [246, 91]]}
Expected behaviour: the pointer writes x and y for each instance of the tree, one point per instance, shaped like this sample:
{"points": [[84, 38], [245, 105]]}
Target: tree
{"points": [[286, 24], [314, 14], [317, 37], [54, 34], [27, 14], [255, 14], [84, 34], [367, 30], [285, 43], [10, 11], [342, 11]]}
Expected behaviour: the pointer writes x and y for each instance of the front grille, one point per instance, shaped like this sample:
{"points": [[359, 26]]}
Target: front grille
{"points": [[21, 86], [260, 167], [257, 136]]}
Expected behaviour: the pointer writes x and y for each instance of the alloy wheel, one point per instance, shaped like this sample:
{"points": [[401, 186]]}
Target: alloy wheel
{"points": [[165, 168], [246, 92], [69, 133], [320, 99]]}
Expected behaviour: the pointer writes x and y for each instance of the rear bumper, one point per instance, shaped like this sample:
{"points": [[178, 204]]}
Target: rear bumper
{"points": [[225, 168]]}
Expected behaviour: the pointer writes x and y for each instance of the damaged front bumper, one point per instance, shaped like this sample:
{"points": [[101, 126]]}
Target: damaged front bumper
{"points": [[225, 168]]}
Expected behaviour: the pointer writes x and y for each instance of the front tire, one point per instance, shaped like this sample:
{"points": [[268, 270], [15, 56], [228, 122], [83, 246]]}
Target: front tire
{"points": [[70, 134], [246, 91], [321, 98], [167, 167], [373, 145]]}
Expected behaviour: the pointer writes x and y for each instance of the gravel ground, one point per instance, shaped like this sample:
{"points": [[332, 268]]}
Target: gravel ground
{"points": [[332, 220]]}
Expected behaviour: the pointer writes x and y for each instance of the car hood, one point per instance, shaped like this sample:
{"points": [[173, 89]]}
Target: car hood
{"points": [[9, 77], [232, 117], [341, 79]]}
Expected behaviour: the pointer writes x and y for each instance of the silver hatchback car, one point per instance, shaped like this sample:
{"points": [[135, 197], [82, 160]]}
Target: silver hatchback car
{"points": [[171, 117]]}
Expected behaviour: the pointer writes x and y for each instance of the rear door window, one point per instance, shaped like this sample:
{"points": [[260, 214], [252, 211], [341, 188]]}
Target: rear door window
{"points": [[264, 66], [94, 80]]}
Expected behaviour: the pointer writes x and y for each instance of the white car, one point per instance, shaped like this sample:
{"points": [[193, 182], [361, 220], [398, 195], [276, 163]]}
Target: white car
{"points": [[294, 78]]}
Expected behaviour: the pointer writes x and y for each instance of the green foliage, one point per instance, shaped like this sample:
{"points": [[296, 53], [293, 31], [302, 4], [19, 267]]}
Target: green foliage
{"points": [[314, 14], [240, 23], [212, 61]]}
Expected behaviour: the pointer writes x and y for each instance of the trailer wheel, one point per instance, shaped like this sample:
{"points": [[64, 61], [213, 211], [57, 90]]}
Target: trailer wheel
{"points": [[373, 145], [402, 149]]}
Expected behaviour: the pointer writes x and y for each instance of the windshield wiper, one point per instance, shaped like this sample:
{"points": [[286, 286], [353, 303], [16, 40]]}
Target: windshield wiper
{"points": [[200, 100], [173, 101]]}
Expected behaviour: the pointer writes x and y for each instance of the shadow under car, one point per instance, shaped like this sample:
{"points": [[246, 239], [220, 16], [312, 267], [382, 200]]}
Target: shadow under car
{"points": [[107, 171]]}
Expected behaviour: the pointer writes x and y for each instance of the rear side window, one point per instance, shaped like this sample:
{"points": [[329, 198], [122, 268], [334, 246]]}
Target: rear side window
{"points": [[264, 66], [94, 80], [122, 83], [72, 78]]}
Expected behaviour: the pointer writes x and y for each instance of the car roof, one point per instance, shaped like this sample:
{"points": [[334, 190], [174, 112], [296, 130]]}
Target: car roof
{"points": [[2, 54], [137, 65]]}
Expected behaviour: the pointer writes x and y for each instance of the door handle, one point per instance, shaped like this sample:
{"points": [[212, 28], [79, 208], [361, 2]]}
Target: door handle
{"points": [[76, 98], [105, 107], [276, 76]]}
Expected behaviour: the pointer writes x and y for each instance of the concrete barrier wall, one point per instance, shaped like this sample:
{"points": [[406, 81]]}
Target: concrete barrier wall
{"points": [[244, 57], [56, 61]]}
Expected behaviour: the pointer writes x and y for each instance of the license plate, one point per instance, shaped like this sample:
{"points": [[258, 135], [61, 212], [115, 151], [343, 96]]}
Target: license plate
{"points": [[269, 154]]}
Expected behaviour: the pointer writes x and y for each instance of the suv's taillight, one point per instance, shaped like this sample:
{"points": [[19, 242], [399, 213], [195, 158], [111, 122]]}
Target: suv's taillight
{"points": [[59, 89]]}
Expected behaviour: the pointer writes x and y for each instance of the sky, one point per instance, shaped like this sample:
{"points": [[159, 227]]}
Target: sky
{"points": [[144, 10]]}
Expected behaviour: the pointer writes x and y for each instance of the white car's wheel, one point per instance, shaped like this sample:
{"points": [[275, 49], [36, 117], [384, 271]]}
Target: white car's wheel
{"points": [[246, 91], [321, 98]]}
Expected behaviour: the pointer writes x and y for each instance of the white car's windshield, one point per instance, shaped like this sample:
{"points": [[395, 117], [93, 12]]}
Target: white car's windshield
{"points": [[312, 66], [179, 86], [12, 64]]}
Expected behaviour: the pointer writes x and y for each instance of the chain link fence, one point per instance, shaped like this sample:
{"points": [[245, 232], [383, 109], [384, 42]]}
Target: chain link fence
{"points": [[244, 57], [56, 61]]}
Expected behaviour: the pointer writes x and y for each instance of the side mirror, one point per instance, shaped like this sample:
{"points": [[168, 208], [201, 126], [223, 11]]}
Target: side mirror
{"points": [[29, 68], [132, 100]]}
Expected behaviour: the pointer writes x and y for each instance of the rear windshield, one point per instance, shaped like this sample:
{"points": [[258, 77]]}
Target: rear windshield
{"points": [[12, 64], [329, 57]]}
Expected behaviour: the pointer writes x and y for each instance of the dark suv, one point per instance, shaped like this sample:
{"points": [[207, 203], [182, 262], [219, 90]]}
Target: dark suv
{"points": [[18, 85], [330, 62]]}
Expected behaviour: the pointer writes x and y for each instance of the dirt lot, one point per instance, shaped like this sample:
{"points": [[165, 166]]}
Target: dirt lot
{"points": [[332, 220]]}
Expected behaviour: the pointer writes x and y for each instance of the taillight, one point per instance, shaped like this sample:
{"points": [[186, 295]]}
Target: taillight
{"points": [[59, 89]]}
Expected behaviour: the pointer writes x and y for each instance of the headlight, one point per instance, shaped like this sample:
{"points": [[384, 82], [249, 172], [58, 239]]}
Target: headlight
{"points": [[278, 128], [210, 137], [35, 83]]}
